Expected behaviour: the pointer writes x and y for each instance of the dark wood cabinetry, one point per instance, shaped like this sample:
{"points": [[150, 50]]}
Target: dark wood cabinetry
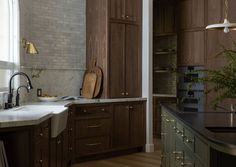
{"points": [[124, 77], [116, 44], [191, 14], [128, 124], [41, 147], [56, 152], [125, 10], [191, 48], [106, 128]]}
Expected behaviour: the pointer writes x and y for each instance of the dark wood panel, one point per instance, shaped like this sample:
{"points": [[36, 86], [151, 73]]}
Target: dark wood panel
{"points": [[117, 9], [132, 62], [137, 124], [191, 48], [92, 128], [133, 10], [120, 125], [117, 60], [92, 145], [97, 33]]}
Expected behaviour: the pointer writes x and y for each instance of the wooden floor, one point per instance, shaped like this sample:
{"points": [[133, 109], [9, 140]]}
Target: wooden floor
{"points": [[131, 160]]}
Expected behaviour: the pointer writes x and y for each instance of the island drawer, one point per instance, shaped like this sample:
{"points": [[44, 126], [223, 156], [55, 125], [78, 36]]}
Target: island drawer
{"points": [[92, 145], [92, 127]]}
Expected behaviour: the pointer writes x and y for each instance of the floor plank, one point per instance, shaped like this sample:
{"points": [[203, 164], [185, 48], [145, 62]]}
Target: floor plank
{"points": [[131, 160]]}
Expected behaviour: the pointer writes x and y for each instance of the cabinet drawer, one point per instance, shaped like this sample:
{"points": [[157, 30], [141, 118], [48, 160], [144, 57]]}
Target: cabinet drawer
{"points": [[92, 111], [92, 145], [92, 127]]}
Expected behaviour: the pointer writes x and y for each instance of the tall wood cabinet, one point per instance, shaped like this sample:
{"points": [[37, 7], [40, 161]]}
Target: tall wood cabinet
{"points": [[191, 41], [114, 39]]}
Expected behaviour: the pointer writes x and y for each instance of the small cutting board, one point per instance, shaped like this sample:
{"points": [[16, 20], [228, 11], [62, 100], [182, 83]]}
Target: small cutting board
{"points": [[89, 84], [98, 71]]}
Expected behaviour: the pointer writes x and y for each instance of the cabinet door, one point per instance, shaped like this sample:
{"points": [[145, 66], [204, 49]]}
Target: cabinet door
{"points": [[132, 58], [191, 48], [120, 125], [117, 9], [116, 60], [133, 10], [137, 124]]}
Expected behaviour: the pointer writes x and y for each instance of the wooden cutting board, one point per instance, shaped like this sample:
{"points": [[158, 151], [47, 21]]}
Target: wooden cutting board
{"points": [[89, 84], [98, 71]]}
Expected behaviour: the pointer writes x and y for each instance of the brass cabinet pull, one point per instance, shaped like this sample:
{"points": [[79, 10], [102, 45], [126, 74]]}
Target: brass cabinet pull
{"points": [[131, 107], [177, 152], [122, 93], [41, 134], [127, 17], [122, 16], [126, 93], [85, 111], [41, 161], [179, 158], [93, 144], [59, 142], [94, 126], [189, 141], [103, 109]]}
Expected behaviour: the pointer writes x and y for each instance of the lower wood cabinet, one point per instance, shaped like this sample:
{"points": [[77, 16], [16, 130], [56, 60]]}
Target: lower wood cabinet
{"points": [[41, 146], [56, 152], [97, 129]]}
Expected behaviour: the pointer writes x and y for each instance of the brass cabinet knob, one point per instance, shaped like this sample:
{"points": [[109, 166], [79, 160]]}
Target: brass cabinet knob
{"points": [[85, 111], [40, 134], [122, 93], [41, 161], [126, 93], [131, 107], [59, 142], [103, 109], [123, 16]]}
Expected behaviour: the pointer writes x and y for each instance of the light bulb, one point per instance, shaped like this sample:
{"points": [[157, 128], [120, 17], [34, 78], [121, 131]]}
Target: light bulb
{"points": [[226, 30]]}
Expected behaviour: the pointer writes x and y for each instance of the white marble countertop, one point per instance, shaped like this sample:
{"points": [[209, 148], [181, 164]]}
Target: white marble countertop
{"points": [[36, 112]]}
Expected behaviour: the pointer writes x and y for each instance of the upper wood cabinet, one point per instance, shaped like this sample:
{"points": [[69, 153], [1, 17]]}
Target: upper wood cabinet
{"points": [[124, 66], [191, 48], [115, 42], [126, 10], [164, 18], [191, 14]]}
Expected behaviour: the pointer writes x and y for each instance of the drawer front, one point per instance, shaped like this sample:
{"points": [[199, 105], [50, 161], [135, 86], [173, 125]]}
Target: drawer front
{"points": [[92, 111], [92, 127], [92, 145], [189, 139]]}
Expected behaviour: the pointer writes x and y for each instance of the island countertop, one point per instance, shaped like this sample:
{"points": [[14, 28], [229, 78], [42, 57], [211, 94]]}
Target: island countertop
{"points": [[218, 128]]}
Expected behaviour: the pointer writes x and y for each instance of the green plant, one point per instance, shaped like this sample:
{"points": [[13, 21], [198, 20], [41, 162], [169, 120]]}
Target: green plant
{"points": [[222, 81]]}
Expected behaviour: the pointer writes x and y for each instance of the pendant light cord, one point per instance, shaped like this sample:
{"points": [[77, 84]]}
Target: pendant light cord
{"points": [[226, 9]]}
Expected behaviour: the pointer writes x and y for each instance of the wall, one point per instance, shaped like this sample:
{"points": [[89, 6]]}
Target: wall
{"points": [[57, 27]]}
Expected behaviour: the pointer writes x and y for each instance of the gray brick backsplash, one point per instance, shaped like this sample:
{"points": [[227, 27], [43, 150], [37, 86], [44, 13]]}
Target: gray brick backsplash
{"points": [[58, 29]]}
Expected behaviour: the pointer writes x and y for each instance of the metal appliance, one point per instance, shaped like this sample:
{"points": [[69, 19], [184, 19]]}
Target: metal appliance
{"points": [[191, 97]]}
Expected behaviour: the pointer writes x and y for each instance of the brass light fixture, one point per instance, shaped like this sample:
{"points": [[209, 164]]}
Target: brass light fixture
{"points": [[226, 26], [29, 47]]}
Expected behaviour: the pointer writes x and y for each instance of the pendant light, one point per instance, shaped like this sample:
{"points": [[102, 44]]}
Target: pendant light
{"points": [[226, 26]]}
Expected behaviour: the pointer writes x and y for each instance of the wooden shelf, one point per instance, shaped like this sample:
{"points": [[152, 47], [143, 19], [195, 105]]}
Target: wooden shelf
{"points": [[163, 71], [164, 34], [165, 53]]}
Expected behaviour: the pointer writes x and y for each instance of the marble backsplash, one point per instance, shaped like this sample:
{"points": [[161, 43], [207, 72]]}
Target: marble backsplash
{"points": [[53, 82]]}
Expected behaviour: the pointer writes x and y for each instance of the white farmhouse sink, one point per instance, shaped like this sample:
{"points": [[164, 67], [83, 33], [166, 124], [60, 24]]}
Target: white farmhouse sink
{"points": [[58, 120]]}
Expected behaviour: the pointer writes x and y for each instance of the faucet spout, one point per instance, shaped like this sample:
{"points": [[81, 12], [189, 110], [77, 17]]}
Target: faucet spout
{"points": [[10, 94]]}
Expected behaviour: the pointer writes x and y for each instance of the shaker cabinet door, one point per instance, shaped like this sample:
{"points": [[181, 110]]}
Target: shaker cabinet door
{"points": [[116, 60], [132, 61]]}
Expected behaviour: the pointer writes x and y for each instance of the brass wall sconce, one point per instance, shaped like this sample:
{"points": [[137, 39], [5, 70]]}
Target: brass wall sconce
{"points": [[29, 47]]}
